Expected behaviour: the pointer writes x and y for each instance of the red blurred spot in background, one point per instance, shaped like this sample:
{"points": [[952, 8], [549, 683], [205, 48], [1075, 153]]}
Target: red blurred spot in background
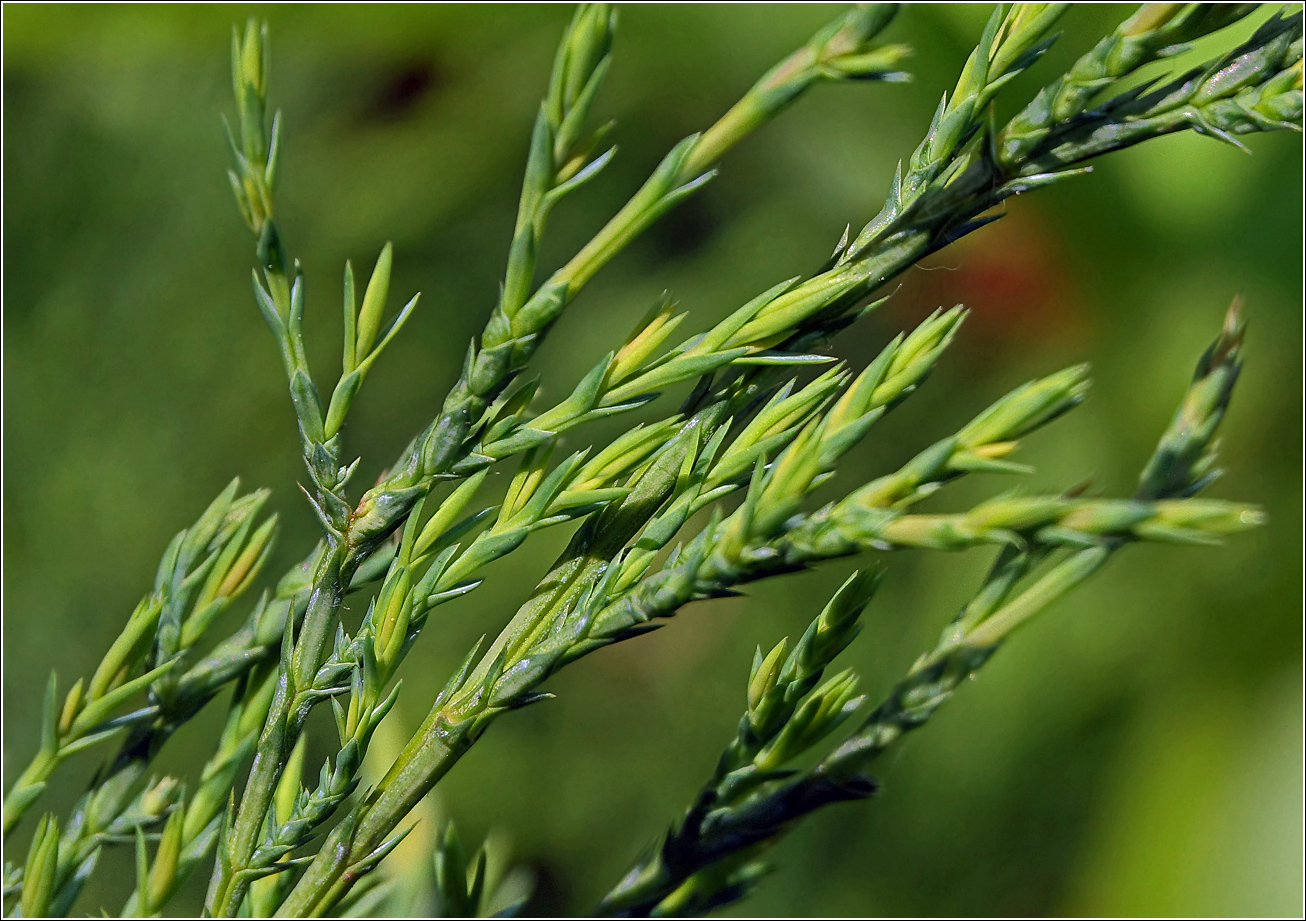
{"points": [[1014, 277]]}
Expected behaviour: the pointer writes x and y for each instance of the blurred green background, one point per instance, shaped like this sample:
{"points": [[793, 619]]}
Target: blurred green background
{"points": [[1137, 751]]}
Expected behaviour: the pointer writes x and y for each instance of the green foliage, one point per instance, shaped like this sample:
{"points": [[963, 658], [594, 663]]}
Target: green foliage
{"points": [[685, 508]]}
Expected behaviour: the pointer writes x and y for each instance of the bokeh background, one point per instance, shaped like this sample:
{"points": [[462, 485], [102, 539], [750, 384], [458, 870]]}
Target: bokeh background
{"points": [[1136, 751]]}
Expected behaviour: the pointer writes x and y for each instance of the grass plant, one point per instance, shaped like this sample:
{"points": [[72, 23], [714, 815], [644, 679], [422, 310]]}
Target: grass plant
{"points": [[689, 502]]}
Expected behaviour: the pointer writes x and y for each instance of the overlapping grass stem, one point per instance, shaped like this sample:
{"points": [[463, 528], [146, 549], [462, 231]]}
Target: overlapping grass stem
{"points": [[676, 509]]}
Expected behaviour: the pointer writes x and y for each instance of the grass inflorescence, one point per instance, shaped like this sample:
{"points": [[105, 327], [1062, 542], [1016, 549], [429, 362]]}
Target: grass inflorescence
{"points": [[715, 494]]}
